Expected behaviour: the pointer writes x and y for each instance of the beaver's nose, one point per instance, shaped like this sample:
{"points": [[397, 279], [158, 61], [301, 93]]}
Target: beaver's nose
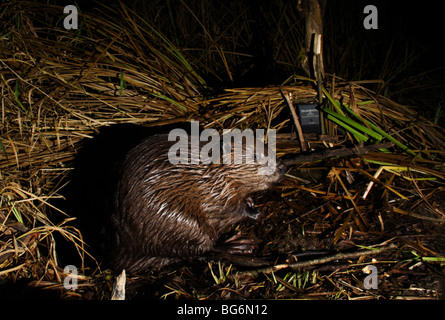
{"points": [[281, 167]]}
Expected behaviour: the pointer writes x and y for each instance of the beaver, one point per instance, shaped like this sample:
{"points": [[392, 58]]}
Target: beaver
{"points": [[164, 213]]}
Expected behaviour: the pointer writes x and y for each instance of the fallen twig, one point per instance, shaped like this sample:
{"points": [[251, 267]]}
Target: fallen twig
{"points": [[323, 260], [330, 153], [296, 120]]}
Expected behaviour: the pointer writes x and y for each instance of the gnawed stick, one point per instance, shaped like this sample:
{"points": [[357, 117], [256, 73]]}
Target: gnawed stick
{"points": [[318, 261], [296, 120], [331, 153], [337, 256]]}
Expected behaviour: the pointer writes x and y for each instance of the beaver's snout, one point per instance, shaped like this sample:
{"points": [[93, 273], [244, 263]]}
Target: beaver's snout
{"points": [[281, 167]]}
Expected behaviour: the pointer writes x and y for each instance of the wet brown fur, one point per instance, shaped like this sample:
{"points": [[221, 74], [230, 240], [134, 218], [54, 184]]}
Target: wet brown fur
{"points": [[164, 213]]}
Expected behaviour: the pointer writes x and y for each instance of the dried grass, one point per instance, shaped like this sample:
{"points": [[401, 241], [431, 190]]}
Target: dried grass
{"points": [[59, 87]]}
